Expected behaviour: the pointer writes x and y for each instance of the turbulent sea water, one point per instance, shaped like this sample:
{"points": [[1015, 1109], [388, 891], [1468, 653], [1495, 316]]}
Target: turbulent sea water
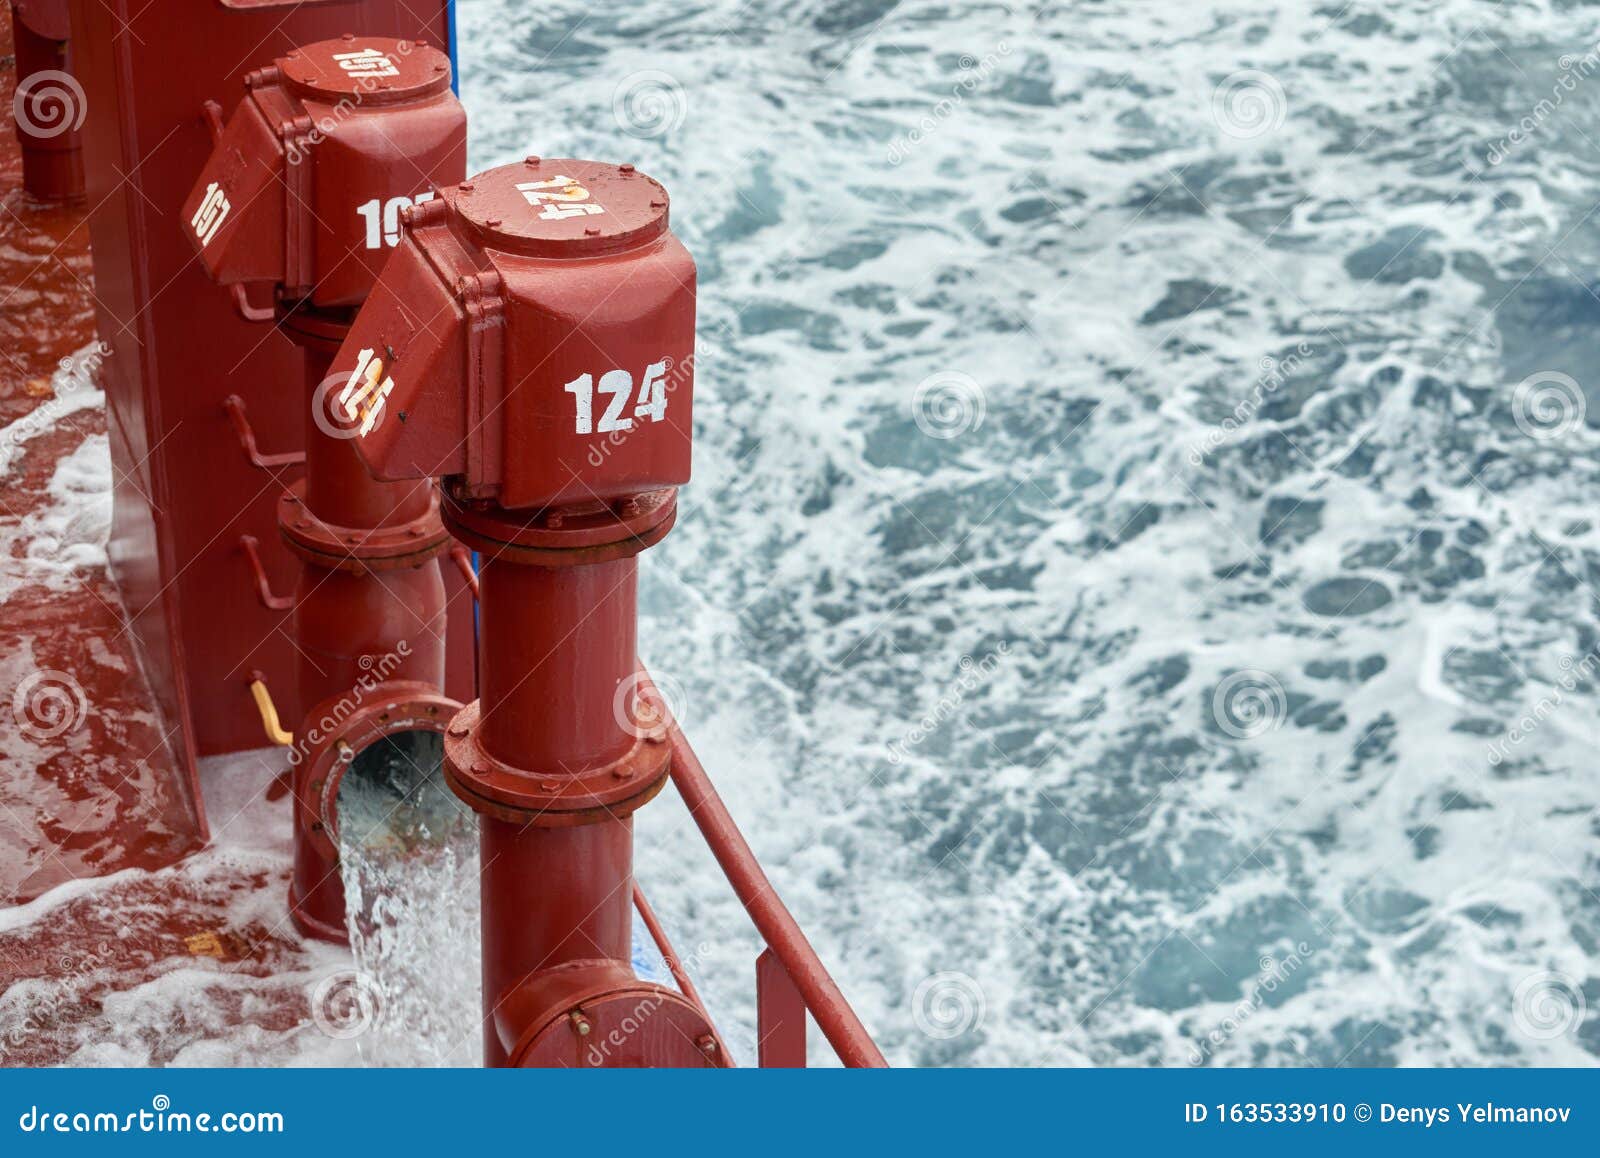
{"points": [[1127, 593]]}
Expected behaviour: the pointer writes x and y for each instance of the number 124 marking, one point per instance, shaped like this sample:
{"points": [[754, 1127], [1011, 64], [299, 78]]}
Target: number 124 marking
{"points": [[617, 386]]}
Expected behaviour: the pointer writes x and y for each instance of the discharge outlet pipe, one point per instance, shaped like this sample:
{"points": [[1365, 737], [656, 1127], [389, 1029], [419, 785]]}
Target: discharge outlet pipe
{"points": [[303, 193], [538, 329]]}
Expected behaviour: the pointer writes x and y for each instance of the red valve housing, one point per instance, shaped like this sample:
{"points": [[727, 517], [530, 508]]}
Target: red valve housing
{"points": [[533, 334], [305, 187]]}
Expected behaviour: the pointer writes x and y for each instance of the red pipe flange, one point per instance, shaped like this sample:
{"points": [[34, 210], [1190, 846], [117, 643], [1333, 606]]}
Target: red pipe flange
{"points": [[386, 548], [570, 536], [554, 797]]}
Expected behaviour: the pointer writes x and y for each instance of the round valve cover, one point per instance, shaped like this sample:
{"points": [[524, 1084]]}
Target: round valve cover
{"points": [[368, 69], [560, 207]]}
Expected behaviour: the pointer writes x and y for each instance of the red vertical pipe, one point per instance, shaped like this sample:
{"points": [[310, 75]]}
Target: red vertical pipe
{"points": [[353, 627], [561, 644], [348, 620], [366, 621], [52, 104], [549, 669], [550, 896]]}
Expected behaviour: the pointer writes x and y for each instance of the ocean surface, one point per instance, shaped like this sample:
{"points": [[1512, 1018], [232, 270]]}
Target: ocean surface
{"points": [[1138, 585]]}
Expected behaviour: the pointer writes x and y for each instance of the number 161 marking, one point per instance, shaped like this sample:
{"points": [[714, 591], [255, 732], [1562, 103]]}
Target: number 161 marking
{"points": [[617, 385]]}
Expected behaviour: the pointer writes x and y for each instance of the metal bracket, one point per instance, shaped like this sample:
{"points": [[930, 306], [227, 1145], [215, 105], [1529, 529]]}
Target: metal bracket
{"points": [[233, 407], [263, 590], [484, 305]]}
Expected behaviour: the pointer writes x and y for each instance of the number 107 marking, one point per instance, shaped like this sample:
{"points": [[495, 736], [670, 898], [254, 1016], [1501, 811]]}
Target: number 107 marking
{"points": [[617, 385]]}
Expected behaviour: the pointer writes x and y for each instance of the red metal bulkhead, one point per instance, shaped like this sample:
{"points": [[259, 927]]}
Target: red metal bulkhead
{"points": [[181, 363], [303, 192], [533, 339], [50, 104]]}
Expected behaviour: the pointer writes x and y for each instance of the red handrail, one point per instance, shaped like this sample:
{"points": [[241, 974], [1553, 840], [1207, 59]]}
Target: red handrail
{"points": [[778, 928]]}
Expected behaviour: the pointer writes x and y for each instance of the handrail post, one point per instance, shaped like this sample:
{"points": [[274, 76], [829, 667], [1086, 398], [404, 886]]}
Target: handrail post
{"points": [[780, 1016]]}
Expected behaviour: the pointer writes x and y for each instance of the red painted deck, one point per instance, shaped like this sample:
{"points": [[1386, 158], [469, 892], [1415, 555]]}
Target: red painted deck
{"points": [[87, 786]]}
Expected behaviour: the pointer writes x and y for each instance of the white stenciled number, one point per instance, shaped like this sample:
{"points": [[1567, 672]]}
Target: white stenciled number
{"points": [[208, 218], [559, 197], [649, 406], [618, 384], [652, 393], [383, 218], [582, 388], [365, 392], [367, 63]]}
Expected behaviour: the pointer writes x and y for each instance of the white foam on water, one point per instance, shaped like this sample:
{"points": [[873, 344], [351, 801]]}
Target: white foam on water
{"points": [[72, 389], [52, 544], [128, 992]]}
